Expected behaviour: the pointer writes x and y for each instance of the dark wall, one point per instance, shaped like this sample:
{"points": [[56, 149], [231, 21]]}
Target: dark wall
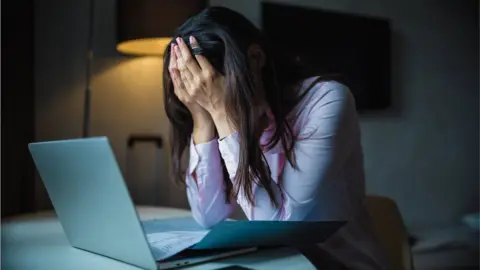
{"points": [[18, 114]]}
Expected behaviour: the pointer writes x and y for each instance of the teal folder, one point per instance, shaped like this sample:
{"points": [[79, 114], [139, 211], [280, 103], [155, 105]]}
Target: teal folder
{"points": [[236, 234]]}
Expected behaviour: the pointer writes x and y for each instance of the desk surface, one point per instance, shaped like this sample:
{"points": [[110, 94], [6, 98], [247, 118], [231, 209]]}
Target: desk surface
{"points": [[37, 241]]}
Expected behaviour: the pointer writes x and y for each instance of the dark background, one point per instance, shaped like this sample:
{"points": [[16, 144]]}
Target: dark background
{"points": [[355, 47], [18, 109]]}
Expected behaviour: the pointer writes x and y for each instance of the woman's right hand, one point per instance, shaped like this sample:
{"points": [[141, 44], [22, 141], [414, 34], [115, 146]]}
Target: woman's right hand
{"points": [[203, 125]]}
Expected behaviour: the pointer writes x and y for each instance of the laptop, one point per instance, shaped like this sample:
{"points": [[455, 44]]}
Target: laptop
{"points": [[93, 204]]}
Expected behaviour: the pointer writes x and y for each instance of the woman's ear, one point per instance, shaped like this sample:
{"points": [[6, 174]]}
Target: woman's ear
{"points": [[256, 56]]}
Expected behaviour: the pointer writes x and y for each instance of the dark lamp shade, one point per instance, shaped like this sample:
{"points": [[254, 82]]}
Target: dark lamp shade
{"points": [[145, 27]]}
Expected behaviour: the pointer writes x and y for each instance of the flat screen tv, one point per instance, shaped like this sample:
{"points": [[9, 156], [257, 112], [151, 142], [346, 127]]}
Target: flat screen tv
{"points": [[356, 47]]}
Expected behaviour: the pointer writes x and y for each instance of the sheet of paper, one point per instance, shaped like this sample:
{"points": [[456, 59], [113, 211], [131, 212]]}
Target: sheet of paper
{"points": [[167, 244]]}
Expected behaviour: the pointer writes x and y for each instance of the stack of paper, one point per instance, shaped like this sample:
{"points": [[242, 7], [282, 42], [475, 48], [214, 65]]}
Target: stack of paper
{"points": [[167, 244], [168, 237]]}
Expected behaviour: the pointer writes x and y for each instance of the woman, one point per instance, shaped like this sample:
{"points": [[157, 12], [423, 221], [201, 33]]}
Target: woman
{"points": [[263, 135]]}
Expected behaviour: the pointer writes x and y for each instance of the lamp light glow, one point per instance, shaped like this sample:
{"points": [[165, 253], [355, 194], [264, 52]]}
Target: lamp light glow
{"points": [[145, 27]]}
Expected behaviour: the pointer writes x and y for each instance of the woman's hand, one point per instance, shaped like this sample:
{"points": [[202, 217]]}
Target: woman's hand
{"points": [[203, 84], [203, 126]]}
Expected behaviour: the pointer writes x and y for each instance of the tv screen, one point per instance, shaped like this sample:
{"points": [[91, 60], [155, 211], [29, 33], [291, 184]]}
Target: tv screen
{"points": [[356, 47]]}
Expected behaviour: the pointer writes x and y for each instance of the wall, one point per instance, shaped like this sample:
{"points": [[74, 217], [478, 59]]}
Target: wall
{"points": [[126, 94], [424, 154], [18, 109]]}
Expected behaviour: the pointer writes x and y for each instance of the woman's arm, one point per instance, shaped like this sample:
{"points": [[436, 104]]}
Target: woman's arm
{"points": [[204, 178], [205, 184], [327, 141]]}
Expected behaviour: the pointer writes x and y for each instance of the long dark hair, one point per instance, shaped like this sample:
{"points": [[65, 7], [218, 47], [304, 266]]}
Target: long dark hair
{"points": [[224, 37]]}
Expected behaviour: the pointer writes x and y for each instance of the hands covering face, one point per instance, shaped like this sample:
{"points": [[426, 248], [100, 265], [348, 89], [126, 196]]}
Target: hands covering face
{"points": [[196, 83]]}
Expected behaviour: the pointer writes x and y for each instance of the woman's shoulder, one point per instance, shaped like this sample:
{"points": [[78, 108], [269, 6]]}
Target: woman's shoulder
{"points": [[317, 91]]}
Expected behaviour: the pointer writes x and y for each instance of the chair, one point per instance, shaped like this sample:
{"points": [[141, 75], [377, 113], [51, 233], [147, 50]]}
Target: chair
{"points": [[388, 225]]}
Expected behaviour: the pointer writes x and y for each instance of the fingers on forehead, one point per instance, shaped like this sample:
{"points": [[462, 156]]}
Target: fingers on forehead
{"points": [[173, 57], [182, 46], [194, 43]]}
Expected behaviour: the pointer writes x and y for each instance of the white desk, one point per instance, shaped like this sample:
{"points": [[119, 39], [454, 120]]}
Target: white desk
{"points": [[37, 241]]}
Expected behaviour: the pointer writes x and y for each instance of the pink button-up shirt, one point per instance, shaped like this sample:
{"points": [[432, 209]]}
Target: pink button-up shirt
{"points": [[328, 184]]}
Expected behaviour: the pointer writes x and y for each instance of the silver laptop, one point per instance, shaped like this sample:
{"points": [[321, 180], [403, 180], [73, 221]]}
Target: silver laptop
{"points": [[94, 206]]}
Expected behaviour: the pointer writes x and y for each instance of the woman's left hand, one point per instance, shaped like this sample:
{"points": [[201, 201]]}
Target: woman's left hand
{"points": [[203, 83]]}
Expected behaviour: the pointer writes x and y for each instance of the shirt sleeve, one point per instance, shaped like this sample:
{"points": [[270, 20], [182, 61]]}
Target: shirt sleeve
{"points": [[205, 185], [322, 147]]}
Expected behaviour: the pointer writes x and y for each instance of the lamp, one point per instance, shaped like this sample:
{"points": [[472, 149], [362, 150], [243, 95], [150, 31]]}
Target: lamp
{"points": [[144, 27]]}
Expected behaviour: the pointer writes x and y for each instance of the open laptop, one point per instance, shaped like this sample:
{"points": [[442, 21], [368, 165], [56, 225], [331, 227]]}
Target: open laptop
{"points": [[94, 206]]}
